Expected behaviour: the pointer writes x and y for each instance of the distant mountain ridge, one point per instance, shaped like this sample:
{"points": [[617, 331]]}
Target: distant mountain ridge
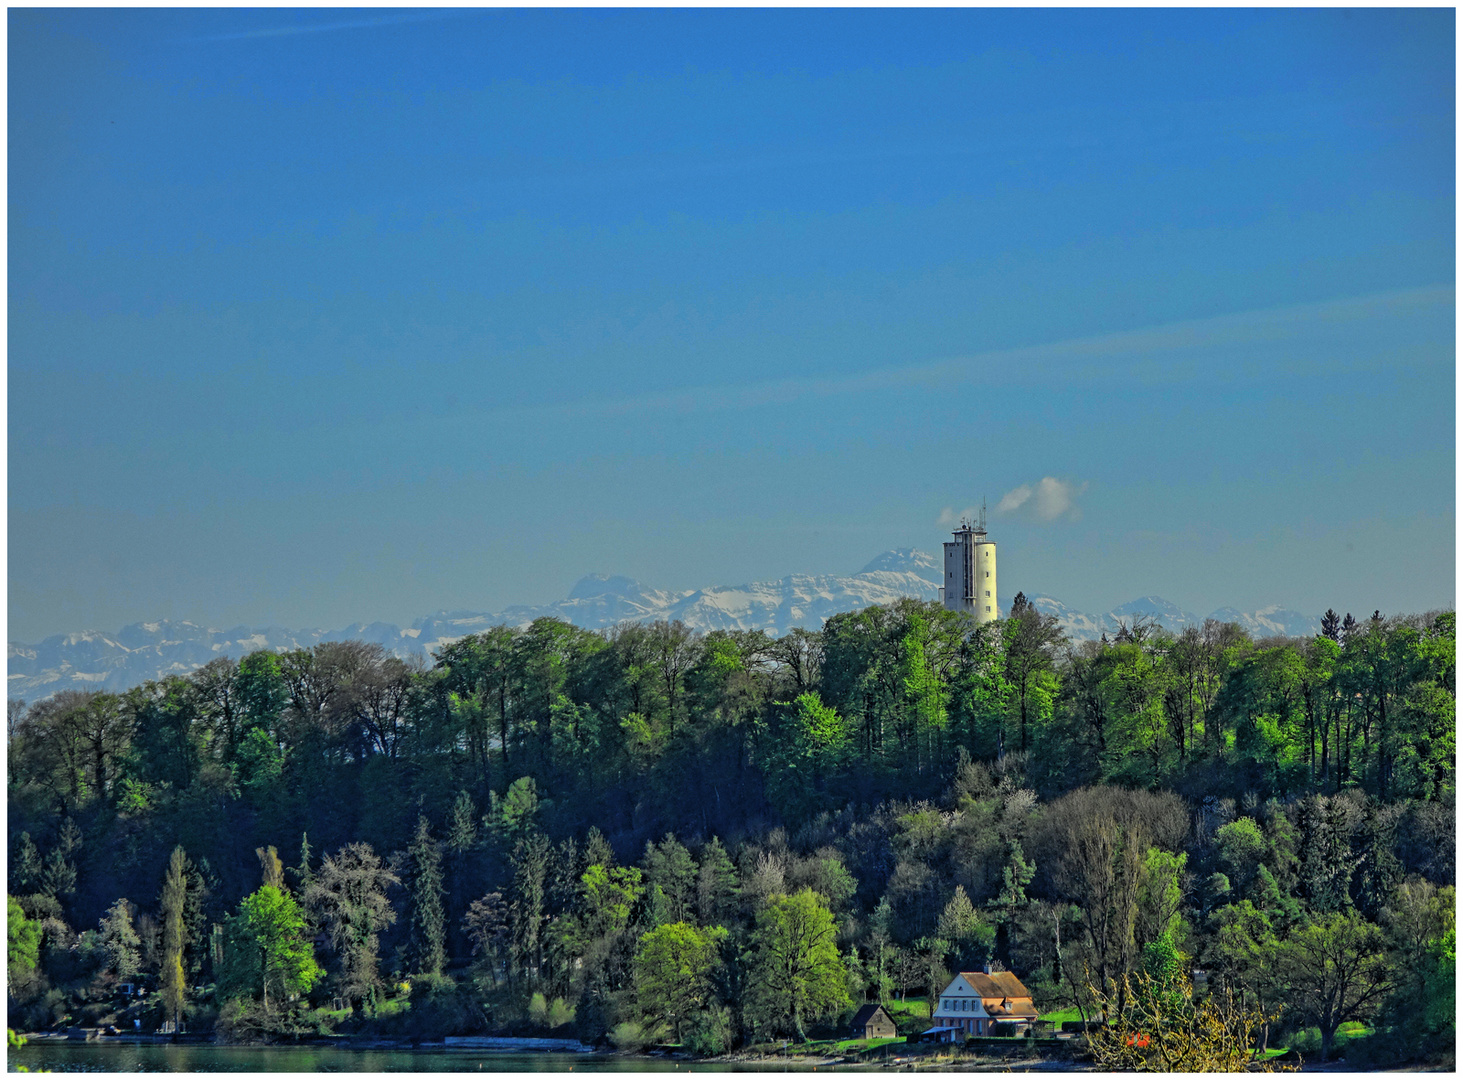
{"points": [[91, 660], [1273, 621]]}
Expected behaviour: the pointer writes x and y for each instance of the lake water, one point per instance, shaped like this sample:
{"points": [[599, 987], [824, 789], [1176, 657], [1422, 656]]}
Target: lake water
{"points": [[99, 1057]]}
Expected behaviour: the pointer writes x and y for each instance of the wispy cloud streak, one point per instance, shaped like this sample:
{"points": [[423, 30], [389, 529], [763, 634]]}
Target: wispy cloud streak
{"points": [[366, 23], [1249, 344], [1046, 500]]}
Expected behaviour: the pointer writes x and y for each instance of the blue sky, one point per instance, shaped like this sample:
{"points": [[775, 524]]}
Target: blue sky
{"points": [[336, 315]]}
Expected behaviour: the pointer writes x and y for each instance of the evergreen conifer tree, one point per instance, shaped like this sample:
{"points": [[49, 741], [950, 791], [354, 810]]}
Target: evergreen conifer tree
{"points": [[428, 921]]}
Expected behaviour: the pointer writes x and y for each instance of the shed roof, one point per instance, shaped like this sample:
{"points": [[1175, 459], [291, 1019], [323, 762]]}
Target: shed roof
{"points": [[868, 1012]]}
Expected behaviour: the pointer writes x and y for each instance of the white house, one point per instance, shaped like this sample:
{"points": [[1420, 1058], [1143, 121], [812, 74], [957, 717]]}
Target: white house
{"points": [[975, 1000]]}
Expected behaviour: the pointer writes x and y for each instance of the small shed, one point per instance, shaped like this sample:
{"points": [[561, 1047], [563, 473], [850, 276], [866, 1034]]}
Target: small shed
{"points": [[873, 1022]]}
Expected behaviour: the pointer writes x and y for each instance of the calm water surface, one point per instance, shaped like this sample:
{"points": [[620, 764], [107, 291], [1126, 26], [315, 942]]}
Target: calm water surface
{"points": [[94, 1057]]}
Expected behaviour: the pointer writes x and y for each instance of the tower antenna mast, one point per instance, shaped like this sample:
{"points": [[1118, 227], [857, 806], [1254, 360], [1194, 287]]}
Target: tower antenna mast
{"points": [[970, 569]]}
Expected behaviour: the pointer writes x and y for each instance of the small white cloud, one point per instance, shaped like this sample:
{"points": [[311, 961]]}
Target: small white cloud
{"points": [[1048, 500], [1013, 499], [949, 517]]}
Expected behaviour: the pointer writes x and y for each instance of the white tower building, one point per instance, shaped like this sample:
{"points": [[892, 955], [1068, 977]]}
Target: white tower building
{"points": [[970, 572]]}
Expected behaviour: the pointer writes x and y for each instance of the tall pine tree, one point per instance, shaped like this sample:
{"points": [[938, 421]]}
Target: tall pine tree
{"points": [[428, 921]]}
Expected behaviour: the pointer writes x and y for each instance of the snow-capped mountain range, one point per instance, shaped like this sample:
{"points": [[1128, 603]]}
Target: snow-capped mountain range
{"points": [[91, 660]]}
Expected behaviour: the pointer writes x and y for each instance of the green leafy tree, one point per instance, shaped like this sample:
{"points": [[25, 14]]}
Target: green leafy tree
{"points": [[1421, 1008], [23, 938], [1438, 992], [590, 937], [482, 690], [1335, 971], [1242, 849], [675, 967], [1240, 953], [1161, 896], [610, 894], [926, 693], [796, 974], [806, 752], [268, 948]]}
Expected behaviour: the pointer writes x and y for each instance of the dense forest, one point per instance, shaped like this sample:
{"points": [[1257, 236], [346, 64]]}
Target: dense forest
{"points": [[652, 834]]}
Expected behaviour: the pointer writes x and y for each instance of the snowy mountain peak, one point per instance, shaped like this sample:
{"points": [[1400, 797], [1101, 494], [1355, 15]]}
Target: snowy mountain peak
{"points": [[592, 585], [907, 561], [1156, 609], [1272, 621]]}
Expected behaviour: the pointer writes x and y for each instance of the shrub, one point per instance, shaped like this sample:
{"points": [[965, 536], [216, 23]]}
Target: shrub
{"points": [[629, 1036], [553, 1014], [1307, 1043], [711, 1032]]}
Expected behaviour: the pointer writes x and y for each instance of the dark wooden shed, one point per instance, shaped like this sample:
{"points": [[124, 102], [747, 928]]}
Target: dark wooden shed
{"points": [[873, 1022]]}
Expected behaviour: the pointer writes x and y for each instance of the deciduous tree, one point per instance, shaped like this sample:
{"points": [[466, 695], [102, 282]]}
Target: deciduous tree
{"points": [[173, 978], [348, 895], [1335, 971], [674, 966], [796, 975], [268, 947]]}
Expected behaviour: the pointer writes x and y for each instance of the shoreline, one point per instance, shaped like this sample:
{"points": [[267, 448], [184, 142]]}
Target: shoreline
{"points": [[933, 1060]]}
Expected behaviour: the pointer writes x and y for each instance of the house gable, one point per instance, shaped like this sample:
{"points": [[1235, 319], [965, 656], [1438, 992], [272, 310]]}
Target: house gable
{"points": [[959, 999], [874, 1021]]}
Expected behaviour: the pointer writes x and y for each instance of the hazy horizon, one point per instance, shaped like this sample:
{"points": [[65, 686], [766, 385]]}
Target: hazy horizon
{"points": [[319, 317]]}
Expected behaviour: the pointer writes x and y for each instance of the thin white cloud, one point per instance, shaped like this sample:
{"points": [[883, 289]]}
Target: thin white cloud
{"points": [[1014, 499], [369, 22], [1246, 345], [1045, 501]]}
